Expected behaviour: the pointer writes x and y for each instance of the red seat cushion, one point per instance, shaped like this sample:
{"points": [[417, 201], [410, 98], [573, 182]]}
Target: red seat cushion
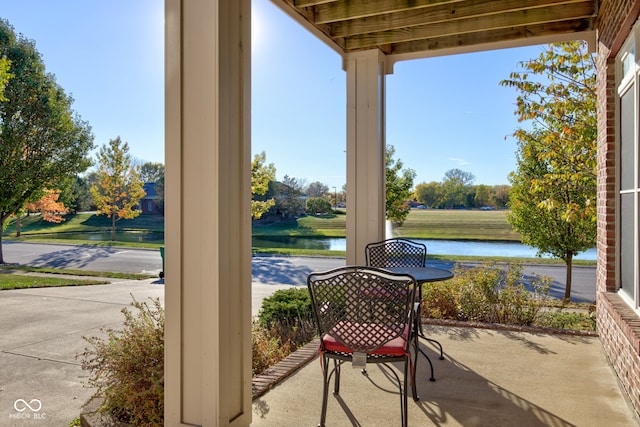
{"points": [[366, 339]]}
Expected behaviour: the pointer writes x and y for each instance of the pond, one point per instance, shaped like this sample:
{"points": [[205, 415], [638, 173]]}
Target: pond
{"points": [[121, 236], [436, 247]]}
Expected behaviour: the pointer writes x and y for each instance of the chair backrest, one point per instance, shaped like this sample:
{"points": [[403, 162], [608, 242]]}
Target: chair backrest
{"points": [[362, 308], [396, 253]]}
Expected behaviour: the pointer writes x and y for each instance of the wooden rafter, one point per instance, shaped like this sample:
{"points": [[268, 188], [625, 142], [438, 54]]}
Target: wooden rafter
{"points": [[409, 26]]}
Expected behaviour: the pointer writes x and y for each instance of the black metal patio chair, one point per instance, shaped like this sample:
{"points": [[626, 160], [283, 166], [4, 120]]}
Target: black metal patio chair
{"points": [[365, 315], [396, 253]]}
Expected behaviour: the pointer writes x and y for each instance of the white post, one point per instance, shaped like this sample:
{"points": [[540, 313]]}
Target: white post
{"points": [[365, 151], [208, 216]]}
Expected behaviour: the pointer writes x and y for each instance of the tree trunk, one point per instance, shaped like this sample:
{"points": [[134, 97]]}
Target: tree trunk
{"points": [[1, 227], [18, 226], [113, 227], [567, 288]]}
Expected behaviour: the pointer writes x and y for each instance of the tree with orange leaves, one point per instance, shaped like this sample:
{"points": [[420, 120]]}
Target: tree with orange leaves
{"points": [[49, 206], [119, 187]]}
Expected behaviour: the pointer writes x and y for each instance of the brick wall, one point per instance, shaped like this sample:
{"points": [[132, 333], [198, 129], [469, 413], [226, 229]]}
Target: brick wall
{"points": [[618, 324]]}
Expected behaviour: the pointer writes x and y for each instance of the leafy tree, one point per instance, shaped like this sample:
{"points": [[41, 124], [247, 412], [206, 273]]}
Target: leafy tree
{"points": [[42, 141], [428, 193], [501, 195], [49, 207], [119, 187], [398, 188], [318, 205], [4, 76], [261, 176], [483, 196], [317, 189], [80, 195], [455, 187], [151, 172], [553, 194], [288, 197]]}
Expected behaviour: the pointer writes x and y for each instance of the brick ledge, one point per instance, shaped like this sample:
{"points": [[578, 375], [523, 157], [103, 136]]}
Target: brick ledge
{"points": [[277, 373], [624, 316]]}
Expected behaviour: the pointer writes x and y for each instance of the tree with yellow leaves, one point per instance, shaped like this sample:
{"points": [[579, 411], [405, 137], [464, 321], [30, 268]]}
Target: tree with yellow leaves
{"points": [[119, 187], [553, 190]]}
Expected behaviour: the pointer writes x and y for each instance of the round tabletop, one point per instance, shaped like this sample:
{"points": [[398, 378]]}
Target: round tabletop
{"points": [[423, 274]]}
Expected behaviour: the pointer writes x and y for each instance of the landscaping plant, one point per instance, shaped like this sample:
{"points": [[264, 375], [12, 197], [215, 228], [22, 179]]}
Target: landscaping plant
{"points": [[488, 293], [284, 324], [127, 368]]}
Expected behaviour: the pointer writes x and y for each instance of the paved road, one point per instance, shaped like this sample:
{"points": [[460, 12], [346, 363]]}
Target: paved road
{"points": [[267, 270], [293, 271], [83, 257]]}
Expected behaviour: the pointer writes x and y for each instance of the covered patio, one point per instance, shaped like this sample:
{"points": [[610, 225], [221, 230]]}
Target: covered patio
{"points": [[490, 377], [208, 229]]}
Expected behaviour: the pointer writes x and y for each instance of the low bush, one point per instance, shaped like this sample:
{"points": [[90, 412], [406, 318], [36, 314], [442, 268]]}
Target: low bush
{"points": [[488, 293], [284, 324], [285, 306], [127, 368], [567, 320]]}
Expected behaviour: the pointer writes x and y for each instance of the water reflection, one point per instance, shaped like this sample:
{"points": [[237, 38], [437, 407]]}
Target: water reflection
{"points": [[436, 247]]}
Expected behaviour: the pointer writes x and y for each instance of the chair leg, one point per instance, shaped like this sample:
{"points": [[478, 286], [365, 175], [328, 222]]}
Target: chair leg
{"points": [[325, 391], [336, 381], [436, 343], [403, 397], [414, 369], [422, 335]]}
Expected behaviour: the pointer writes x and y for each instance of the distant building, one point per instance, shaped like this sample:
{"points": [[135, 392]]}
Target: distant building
{"points": [[149, 203]]}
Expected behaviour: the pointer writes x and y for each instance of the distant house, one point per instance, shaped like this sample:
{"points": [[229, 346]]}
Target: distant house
{"points": [[149, 203]]}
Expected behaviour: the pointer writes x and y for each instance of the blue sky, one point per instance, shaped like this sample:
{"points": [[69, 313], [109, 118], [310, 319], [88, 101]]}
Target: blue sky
{"points": [[442, 113]]}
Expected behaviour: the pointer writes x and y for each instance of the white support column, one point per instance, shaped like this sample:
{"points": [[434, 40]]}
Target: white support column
{"points": [[365, 151], [207, 223]]}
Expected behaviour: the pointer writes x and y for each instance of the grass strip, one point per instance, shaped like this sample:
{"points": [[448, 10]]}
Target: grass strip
{"points": [[109, 274], [21, 281]]}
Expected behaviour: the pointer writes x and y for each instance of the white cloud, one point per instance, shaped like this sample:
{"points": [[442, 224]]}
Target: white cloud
{"points": [[460, 162]]}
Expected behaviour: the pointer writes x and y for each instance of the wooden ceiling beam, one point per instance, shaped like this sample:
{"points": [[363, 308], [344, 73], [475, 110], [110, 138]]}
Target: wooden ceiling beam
{"points": [[309, 3], [351, 9], [495, 36], [564, 12], [439, 13]]}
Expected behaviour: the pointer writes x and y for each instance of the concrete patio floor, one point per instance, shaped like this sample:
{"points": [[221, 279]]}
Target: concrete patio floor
{"points": [[488, 378]]}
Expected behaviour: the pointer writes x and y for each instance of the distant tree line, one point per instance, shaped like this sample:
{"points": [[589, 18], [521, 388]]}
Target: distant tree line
{"points": [[456, 191]]}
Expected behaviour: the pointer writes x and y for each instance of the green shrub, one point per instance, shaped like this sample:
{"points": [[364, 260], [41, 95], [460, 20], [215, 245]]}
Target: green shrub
{"points": [[285, 306], [488, 293], [440, 300], [284, 324], [127, 368], [566, 320]]}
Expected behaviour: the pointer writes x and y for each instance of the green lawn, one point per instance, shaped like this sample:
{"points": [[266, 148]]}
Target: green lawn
{"points": [[458, 225], [33, 226], [420, 224], [21, 281], [83, 223]]}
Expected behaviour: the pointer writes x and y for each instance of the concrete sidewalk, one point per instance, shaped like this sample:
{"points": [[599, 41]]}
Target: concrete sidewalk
{"points": [[488, 378], [42, 332]]}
